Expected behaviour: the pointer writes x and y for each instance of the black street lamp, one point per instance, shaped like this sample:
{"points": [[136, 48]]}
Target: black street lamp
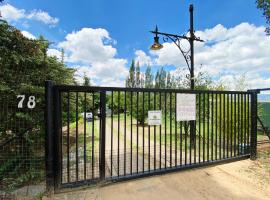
{"points": [[188, 55], [176, 39]]}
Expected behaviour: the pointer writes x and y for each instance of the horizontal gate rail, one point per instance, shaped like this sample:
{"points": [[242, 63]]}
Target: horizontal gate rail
{"points": [[102, 134], [75, 88]]}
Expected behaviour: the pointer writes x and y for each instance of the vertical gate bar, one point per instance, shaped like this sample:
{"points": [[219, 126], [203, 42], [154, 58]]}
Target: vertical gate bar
{"points": [[51, 157], [84, 136], [137, 132], [77, 142], [253, 136], [204, 127], [199, 127], [181, 140], [111, 134], [93, 135], [224, 125], [216, 126], [186, 130], [125, 133], [68, 139], [208, 128], [245, 124], [57, 139], [143, 132], [149, 128], [234, 149], [231, 127], [228, 125], [155, 134], [248, 121], [118, 132], [191, 139], [160, 134], [238, 122], [61, 136], [195, 131], [170, 129], [131, 107], [102, 135], [175, 127], [242, 123], [220, 123], [212, 126], [165, 131]]}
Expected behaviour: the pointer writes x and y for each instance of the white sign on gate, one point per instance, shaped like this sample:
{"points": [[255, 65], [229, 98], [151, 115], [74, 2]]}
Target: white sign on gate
{"points": [[154, 117], [186, 107]]}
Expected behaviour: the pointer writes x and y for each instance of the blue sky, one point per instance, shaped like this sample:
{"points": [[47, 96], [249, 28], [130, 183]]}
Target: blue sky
{"points": [[127, 24]]}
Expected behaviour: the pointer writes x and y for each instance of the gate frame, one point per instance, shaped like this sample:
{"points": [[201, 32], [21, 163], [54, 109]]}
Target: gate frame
{"points": [[53, 128]]}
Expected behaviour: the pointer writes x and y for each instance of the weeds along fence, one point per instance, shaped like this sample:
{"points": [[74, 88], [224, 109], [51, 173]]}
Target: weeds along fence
{"points": [[117, 143]]}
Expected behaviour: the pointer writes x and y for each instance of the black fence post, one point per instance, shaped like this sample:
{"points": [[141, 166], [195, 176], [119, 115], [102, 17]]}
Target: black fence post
{"points": [[102, 134], [253, 136], [49, 135], [57, 143]]}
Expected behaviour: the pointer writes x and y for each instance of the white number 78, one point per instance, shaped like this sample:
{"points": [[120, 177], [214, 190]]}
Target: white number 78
{"points": [[30, 104]]}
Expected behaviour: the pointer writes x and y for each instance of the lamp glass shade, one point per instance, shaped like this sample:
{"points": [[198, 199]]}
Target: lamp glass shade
{"points": [[156, 45]]}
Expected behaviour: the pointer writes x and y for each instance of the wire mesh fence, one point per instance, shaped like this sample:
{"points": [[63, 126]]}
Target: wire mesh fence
{"points": [[22, 140]]}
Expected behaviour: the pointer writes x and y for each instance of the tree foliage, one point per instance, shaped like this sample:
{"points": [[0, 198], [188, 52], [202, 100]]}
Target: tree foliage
{"points": [[264, 5], [24, 67]]}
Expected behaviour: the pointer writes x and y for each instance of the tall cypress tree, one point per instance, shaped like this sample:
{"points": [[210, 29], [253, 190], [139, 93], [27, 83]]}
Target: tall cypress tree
{"points": [[162, 79], [148, 77], [157, 80], [169, 80], [130, 81], [138, 75], [86, 80]]}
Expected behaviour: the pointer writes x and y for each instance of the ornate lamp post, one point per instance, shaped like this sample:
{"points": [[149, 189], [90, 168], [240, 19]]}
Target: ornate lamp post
{"points": [[188, 56], [176, 39]]}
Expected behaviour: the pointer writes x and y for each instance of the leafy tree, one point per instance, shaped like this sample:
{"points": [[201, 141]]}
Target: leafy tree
{"points": [[264, 5], [24, 67]]}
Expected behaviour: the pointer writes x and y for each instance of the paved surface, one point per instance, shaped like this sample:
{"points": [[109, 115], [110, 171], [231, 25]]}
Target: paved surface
{"points": [[237, 180]]}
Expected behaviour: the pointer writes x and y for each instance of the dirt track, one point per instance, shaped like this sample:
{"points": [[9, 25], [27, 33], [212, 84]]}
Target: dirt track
{"points": [[237, 180]]}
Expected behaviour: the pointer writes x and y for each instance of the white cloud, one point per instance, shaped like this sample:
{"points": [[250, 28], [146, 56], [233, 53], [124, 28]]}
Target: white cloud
{"points": [[226, 54], [42, 16], [92, 50], [88, 46], [142, 58], [13, 14], [28, 35], [99, 78], [54, 52]]}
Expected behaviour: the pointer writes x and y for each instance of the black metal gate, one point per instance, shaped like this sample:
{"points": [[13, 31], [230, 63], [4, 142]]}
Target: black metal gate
{"points": [[100, 134]]}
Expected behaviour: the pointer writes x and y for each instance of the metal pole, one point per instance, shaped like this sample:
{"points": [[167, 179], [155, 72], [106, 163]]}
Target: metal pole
{"points": [[253, 136], [49, 135], [57, 143], [102, 134], [191, 41]]}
